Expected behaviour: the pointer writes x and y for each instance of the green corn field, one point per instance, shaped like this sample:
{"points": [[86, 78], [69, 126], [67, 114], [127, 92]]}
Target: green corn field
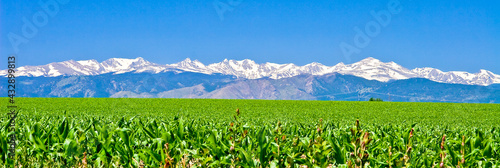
{"points": [[103, 132]]}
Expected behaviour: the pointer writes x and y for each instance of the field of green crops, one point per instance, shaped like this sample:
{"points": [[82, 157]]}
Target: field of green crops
{"points": [[68, 132]]}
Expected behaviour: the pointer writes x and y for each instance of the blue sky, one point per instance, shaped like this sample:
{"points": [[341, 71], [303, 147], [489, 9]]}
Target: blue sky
{"points": [[449, 35]]}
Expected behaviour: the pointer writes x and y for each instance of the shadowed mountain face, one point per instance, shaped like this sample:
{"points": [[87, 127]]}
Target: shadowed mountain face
{"points": [[180, 84]]}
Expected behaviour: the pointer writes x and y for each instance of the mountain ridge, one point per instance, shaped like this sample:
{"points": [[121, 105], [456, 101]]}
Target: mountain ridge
{"points": [[173, 84], [368, 68]]}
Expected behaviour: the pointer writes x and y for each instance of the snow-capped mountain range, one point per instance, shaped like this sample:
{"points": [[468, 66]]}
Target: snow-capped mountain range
{"points": [[369, 68]]}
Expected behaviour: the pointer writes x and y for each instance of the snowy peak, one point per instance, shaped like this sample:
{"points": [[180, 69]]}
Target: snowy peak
{"points": [[243, 65], [369, 61], [483, 77], [86, 67], [485, 73], [369, 68], [190, 65], [124, 64]]}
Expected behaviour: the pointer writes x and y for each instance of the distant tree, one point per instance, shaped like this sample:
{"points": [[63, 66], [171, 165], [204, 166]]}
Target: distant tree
{"points": [[376, 99]]}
